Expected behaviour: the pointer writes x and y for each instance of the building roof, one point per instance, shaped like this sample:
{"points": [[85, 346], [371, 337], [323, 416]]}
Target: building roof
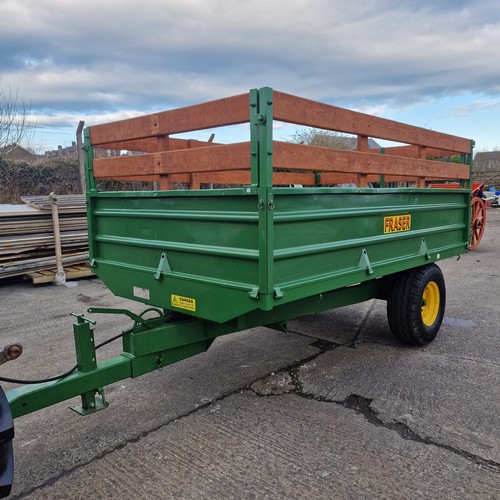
{"points": [[16, 152], [487, 156]]}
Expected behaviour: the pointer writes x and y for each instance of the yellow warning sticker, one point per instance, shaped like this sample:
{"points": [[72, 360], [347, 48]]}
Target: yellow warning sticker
{"points": [[183, 302], [397, 223]]}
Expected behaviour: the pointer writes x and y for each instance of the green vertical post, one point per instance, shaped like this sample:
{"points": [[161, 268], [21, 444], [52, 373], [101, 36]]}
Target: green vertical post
{"points": [[84, 344], [86, 362], [382, 177], [263, 124], [265, 130], [90, 194], [89, 156], [254, 137]]}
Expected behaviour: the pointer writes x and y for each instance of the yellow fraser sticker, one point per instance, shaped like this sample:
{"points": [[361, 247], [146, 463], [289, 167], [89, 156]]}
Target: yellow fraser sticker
{"points": [[397, 223], [183, 302]]}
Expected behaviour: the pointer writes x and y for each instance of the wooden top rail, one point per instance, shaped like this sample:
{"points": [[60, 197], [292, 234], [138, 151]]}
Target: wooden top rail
{"points": [[291, 109], [286, 156], [219, 113], [415, 152], [170, 160], [154, 144], [207, 159], [314, 158]]}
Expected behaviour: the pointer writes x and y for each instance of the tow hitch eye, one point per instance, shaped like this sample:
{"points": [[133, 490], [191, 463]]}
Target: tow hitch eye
{"points": [[10, 352]]}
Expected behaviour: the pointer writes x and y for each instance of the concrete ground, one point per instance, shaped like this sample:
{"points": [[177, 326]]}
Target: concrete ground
{"points": [[335, 408]]}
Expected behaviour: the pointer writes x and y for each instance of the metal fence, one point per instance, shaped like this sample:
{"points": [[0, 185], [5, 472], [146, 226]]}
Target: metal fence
{"points": [[44, 161]]}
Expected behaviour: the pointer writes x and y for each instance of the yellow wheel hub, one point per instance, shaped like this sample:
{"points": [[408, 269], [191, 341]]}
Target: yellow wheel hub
{"points": [[430, 303]]}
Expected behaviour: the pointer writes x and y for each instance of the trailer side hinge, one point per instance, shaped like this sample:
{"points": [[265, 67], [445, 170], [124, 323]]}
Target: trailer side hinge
{"points": [[254, 293], [424, 250], [364, 261], [163, 266], [278, 293]]}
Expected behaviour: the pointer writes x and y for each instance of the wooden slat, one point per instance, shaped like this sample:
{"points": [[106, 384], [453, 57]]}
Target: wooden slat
{"points": [[413, 152], [363, 143], [66, 203], [208, 159], [228, 177], [149, 145], [124, 167], [222, 112], [132, 178], [163, 144], [41, 264], [21, 211], [342, 178], [180, 178], [300, 111], [71, 272], [301, 157], [42, 202], [29, 245], [291, 178]]}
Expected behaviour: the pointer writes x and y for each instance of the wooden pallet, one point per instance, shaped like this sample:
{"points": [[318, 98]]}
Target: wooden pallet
{"points": [[28, 238], [72, 272], [67, 203]]}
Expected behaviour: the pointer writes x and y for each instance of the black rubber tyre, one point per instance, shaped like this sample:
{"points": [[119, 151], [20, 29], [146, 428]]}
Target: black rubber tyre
{"points": [[416, 303]]}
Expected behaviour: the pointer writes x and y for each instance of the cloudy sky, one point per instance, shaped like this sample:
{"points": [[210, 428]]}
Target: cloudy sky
{"points": [[434, 63]]}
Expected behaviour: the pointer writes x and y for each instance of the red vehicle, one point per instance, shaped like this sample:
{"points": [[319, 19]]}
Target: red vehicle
{"points": [[478, 216]]}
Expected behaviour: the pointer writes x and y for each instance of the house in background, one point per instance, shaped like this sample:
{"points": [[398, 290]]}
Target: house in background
{"points": [[14, 152], [60, 151], [487, 168]]}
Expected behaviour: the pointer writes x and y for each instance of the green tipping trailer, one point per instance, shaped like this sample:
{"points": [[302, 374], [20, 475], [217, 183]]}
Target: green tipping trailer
{"points": [[239, 235]]}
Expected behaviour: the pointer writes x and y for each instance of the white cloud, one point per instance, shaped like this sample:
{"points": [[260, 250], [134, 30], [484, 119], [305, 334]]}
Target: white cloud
{"points": [[95, 59]]}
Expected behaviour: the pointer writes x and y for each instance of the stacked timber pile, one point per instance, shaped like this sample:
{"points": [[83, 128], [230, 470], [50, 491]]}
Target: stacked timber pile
{"points": [[27, 243]]}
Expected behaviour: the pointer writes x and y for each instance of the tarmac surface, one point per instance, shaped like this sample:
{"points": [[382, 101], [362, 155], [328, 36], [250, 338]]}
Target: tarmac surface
{"points": [[334, 408]]}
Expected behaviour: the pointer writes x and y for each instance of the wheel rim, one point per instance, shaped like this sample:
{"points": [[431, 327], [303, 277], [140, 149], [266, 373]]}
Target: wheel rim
{"points": [[477, 222], [430, 303]]}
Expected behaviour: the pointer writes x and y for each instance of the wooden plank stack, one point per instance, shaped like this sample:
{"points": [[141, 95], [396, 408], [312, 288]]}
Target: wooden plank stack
{"points": [[27, 235]]}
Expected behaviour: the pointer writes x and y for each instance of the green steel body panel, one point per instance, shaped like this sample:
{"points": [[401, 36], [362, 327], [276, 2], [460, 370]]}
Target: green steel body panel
{"points": [[316, 240], [210, 244]]}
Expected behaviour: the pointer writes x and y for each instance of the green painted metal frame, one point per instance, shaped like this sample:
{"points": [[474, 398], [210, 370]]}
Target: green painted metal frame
{"points": [[347, 267], [159, 342]]}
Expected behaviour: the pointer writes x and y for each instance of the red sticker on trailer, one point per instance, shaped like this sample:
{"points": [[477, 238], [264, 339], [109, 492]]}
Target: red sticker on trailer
{"points": [[397, 223]]}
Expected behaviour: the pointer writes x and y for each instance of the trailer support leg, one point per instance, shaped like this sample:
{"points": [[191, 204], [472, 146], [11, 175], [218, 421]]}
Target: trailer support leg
{"points": [[87, 362]]}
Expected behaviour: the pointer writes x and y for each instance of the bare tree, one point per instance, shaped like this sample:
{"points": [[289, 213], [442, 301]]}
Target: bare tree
{"points": [[323, 138], [14, 118]]}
